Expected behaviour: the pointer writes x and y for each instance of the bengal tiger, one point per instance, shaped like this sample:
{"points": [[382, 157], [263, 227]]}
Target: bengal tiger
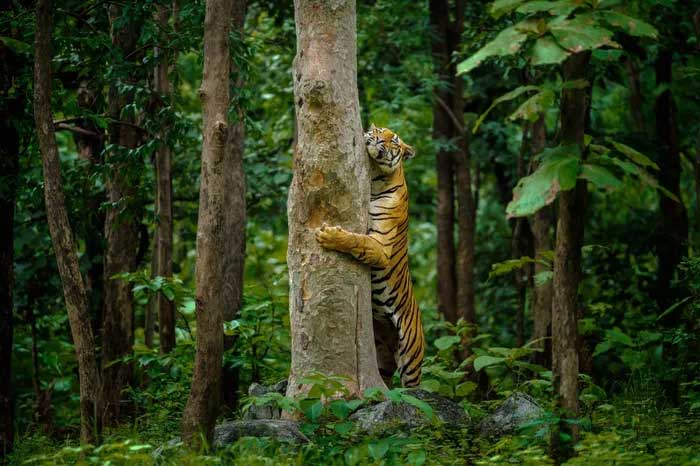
{"points": [[398, 329]]}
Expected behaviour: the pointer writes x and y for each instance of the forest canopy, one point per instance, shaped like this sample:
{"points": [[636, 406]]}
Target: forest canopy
{"points": [[193, 250]]}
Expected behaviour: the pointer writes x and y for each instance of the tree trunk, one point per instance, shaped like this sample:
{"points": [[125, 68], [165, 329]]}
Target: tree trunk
{"points": [[61, 233], [672, 239], [9, 172], [636, 98], [121, 229], [442, 133], [567, 262], [236, 220], [213, 234], [541, 223], [330, 305], [164, 197]]}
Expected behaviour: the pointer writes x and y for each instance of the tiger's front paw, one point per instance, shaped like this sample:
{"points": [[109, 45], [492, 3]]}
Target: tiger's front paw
{"points": [[332, 238]]}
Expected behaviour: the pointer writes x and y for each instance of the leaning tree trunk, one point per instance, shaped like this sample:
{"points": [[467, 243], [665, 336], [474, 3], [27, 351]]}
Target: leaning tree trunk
{"points": [[236, 220], [672, 240], [330, 307], [214, 293], [163, 253], [541, 223], [9, 172], [61, 233], [567, 262]]}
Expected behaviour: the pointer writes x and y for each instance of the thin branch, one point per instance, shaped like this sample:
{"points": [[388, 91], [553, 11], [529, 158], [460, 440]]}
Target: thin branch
{"points": [[453, 117], [78, 130]]}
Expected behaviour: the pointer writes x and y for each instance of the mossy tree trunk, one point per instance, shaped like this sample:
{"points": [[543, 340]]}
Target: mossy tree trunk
{"points": [[330, 306]]}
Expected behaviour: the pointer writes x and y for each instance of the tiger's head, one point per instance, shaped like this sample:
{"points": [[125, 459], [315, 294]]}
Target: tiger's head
{"points": [[386, 149]]}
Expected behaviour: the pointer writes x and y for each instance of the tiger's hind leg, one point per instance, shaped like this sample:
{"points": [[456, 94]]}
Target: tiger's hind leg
{"points": [[386, 341], [411, 349]]}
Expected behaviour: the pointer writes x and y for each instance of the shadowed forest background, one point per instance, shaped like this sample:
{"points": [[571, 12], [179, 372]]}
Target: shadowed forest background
{"points": [[555, 187]]}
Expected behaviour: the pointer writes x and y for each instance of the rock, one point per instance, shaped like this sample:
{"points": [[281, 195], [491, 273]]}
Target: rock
{"points": [[387, 414], [286, 431], [267, 411], [516, 410]]}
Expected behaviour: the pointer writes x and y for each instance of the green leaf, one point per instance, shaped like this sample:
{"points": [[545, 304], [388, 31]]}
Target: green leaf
{"points": [[600, 176], [634, 155], [514, 94], [417, 458], [509, 265], [420, 404], [343, 427], [632, 26], [581, 33], [557, 172], [446, 342], [502, 7], [533, 107], [168, 293], [555, 8], [542, 278], [465, 389], [16, 46], [486, 361], [507, 42], [378, 449], [547, 52]]}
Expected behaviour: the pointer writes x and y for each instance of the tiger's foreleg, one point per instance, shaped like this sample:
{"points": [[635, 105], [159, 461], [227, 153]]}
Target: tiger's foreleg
{"points": [[365, 248]]}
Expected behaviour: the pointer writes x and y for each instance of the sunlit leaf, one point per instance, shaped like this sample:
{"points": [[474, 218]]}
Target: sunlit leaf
{"points": [[514, 94], [600, 176], [582, 33], [507, 42], [546, 51], [486, 361], [632, 26]]}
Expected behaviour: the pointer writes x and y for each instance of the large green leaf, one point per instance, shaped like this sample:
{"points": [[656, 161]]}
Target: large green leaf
{"points": [[634, 155], [632, 26], [486, 361], [581, 33], [600, 176], [502, 7], [514, 94], [547, 52], [507, 42], [15, 45], [560, 7], [558, 172], [533, 107]]}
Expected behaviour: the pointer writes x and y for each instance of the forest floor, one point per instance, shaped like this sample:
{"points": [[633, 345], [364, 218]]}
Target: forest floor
{"points": [[634, 428]]}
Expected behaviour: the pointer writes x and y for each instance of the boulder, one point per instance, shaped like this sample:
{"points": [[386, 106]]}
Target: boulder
{"points": [[388, 415], [515, 410], [266, 411], [282, 430]]}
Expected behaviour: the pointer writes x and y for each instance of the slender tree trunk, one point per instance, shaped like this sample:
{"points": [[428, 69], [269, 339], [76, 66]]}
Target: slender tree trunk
{"points": [[696, 171], [541, 223], [61, 233], [330, 305], [567, 262], [236, 220], [213, 225], [672, 239], [636, 97], [9, 172], [164, 197], [442, 133], [121, 229]]}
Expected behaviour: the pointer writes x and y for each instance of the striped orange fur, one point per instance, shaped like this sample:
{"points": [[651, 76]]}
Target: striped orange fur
{"points": [[397, 321]]}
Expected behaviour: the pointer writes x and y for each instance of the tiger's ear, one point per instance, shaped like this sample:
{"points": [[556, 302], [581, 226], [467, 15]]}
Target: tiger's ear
{"points": [[372, 127], [408, 152]]}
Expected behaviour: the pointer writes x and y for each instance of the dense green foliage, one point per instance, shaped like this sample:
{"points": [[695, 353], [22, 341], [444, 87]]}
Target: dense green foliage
{"points": [[641, 397]]}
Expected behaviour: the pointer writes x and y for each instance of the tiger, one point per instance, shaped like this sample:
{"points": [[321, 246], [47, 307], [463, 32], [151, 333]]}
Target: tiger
{"points": [[398, 330]]}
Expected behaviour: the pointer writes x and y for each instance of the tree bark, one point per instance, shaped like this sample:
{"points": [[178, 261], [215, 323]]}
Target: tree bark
{"points": [[236, 220], [61, 233], [672, 238], [541, 223], [213, 263], [636, 97], [121, 229], [442, 133], [164, 196], [567, 262], [9, 173], [330, 305]]}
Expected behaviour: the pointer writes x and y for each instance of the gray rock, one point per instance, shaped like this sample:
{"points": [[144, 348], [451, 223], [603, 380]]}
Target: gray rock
{"points": [[267, 411], [516, 410], [389, 415], [286, 431]]}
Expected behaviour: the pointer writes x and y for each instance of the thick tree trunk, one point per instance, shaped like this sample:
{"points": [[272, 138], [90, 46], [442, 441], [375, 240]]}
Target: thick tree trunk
{"points": [[9, 172], [567, 262], [121, 230], [672, 238], [163, 253], [443, 132], [330, 306], [61, 233], [213, 240], [236, 220], [541, 223]]}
